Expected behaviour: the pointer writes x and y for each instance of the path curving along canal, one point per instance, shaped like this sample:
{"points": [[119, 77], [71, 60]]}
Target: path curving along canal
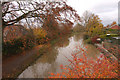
{"points": [[50, 62]]}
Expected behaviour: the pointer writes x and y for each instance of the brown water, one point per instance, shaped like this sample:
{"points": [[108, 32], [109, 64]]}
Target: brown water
{"points": [[51, 61]]}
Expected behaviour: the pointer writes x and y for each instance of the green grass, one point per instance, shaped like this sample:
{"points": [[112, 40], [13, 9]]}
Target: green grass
{"points": [[111, 35]]}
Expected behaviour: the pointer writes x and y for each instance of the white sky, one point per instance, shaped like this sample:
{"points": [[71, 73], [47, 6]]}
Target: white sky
{"points": [[107, 10]]}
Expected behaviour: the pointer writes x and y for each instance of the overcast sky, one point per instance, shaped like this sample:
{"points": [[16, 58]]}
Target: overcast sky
{"points": [[107, 10]]}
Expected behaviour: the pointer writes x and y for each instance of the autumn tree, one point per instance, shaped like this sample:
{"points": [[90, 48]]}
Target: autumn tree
{"points": [[93, 24], [37, 12], [40, 35]]}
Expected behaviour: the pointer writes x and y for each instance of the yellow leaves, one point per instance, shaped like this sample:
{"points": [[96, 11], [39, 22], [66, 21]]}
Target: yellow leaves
{"points": [[39, 33], [94, 26]]}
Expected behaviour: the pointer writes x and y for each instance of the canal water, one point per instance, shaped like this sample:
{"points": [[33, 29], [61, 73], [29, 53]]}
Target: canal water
{"points": [[50, 62]]}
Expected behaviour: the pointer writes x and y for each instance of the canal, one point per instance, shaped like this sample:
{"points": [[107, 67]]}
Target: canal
{"points": [[50, 62]]}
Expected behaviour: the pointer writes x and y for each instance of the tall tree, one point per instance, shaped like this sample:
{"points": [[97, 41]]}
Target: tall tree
{"points": [[86, 17], [92, 23]]}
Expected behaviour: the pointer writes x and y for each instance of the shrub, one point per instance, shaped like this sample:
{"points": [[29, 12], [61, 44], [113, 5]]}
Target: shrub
{"points": [[39, 32], [88, 68], [28, 43], [12, 47], [17, 45], [40, 35]]}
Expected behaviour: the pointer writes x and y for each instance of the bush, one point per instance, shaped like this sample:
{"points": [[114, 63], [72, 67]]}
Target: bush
{"points": [[28, 43], [40, 35], [12, 47], [83, 67], [41, 40], [17, 46]]}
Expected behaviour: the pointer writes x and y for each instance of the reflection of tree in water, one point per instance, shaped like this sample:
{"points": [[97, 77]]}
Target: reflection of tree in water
{"points": [[52, 52], [43, 65], [92, 51], [63, 42], [49, 55], [46, 63], [78, 36]]}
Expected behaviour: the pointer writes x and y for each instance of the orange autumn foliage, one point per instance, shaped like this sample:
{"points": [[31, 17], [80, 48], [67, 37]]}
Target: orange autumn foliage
{"points": [[84, 67]]}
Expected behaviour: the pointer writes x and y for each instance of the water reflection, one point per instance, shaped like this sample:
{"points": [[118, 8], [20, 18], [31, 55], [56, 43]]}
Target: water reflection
{"points": [[63, 41], [49, 57], [51, 61], [79, 36]]}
